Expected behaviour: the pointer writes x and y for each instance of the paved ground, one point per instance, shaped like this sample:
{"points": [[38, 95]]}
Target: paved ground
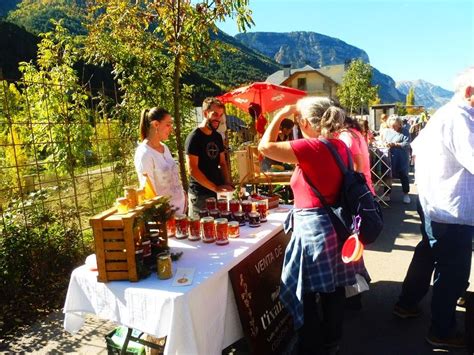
{"points": [[372, 331]]}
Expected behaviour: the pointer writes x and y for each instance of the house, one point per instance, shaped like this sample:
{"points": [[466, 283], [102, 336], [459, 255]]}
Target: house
{"points": [[308, 79]]}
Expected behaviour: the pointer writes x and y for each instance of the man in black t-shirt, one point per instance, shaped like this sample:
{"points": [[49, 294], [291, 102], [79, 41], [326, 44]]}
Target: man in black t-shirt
{"points": [[206, 157]]}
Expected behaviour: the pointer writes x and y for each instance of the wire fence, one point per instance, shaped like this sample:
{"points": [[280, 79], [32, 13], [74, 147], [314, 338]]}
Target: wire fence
{"points": [[55, 154]]}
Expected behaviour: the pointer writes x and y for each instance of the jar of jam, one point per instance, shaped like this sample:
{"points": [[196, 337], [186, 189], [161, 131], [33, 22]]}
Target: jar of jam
{"points": [[222, 204], [222, 233], [262, 207], [234, 229], [132, 196], [254, 219], [246, 208], [234, 206], [215, 213], [239, 217], [181, 226], [203, 213], [227, 215], [171, 227], [208, 230], [211, 203], [194, 228], [164, 266]]}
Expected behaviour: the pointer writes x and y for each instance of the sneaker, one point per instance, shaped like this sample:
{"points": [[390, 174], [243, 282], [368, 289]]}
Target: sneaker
{"points": [[456, 341], [405, 313], [406, 199]]}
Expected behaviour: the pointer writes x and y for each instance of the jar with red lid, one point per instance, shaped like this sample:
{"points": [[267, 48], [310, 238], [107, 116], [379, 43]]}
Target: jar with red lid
{"points": [[254, 219], [222, 232], [222, 204], [262, 208], [246, 207], [215, 213], [234, 206], [181, 226], [171, 227], [203, 213], [211, 203], [208, 234], [234, 229], [194, 228], [239, 217]]}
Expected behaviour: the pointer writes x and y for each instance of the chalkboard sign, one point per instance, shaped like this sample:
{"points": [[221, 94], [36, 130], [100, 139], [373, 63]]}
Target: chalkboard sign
{"points": [[256, 283]]}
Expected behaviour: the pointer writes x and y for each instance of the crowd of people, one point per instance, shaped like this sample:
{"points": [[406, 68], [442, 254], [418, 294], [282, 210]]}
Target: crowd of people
{"points": [[314, 277]]}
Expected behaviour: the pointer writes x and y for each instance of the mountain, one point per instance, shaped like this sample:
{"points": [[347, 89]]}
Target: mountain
{"points": [[429, 95], [317, 50]]}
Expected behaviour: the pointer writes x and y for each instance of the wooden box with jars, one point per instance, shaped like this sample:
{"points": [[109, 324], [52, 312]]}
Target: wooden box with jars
{"points": [[122, 240]]}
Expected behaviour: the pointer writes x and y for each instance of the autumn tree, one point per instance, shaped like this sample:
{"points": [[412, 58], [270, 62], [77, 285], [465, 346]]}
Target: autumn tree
{"points": [[356, 90], [410, 101], [152, 43]]}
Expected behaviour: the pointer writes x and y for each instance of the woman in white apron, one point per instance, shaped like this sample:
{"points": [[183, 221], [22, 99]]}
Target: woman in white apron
{"points": [[154, 158]]}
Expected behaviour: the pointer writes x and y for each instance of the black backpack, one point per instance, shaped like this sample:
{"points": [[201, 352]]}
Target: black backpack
{"points": [[357, 210]]}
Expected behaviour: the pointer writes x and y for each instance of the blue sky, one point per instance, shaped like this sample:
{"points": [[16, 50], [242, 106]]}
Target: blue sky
{"points": [[408, 40]]}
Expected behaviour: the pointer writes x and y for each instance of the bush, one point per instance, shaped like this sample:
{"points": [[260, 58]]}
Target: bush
{"points": [[38, 251]]}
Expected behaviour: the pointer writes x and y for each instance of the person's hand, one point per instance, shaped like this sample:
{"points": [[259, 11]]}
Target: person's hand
{"points": [[287, 110], [224, 188]]}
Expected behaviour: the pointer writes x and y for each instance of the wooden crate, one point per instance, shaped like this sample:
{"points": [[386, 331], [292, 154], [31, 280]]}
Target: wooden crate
{"points": [[115, 236]]}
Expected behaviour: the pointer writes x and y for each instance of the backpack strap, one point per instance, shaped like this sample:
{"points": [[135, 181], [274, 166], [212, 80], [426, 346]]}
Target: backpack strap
{"points": [[337, 157]]}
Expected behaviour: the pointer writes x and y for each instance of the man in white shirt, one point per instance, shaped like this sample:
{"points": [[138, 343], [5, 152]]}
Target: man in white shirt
{"points": [[444, 174]]}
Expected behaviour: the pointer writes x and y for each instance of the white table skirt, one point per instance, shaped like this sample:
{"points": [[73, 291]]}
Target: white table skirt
{"points": [[198, 319]]}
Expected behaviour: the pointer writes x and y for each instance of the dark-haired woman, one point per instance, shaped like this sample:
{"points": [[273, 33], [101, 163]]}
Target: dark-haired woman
{"points": [[154, 158]]}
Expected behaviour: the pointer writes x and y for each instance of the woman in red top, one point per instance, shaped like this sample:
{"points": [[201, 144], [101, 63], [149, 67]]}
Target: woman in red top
{"points": [[313, 271]]}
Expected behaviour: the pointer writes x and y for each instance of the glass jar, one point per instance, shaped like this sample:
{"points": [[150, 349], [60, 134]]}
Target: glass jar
{"points": [[222, 233], [122, 205], [246, 208], [227, 215], [208, 230], [234, 206], [215, 213], [262, 208], [240, 217], [203, 213], [211, 203], [254, 219], [182, 226], [164, 267], [171, 227], [234, 229], [132, 196], [222, 204], [194, 228]]}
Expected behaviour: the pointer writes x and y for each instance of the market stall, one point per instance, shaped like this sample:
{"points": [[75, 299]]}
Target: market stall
{"points": [[199, 318]]}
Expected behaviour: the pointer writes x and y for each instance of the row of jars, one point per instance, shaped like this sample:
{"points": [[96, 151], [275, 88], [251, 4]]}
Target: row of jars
{"points": [[246, 206]]}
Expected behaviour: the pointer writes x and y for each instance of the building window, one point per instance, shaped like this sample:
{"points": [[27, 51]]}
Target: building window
{"points": [[302, 84]]}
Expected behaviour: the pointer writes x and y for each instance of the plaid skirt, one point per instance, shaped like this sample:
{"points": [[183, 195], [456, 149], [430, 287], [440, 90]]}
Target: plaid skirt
{"points": [[313, 261]]}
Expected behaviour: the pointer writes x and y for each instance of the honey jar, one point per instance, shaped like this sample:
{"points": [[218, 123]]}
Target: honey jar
{"points": [[222, 233], [132, 196], [234, 229], [182, 226], [208, 234], [122, 205], [164, 266], [194, 228]]}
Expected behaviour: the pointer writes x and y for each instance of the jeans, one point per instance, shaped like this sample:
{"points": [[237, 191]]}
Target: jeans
{"points": [[197, 202], [445, 249]]}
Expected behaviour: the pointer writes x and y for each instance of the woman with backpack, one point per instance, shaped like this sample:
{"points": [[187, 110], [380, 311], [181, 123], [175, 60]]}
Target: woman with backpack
{"points": [[313, 276]]}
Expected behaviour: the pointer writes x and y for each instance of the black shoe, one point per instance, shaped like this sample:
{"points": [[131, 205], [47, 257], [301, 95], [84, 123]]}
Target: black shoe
{"points": [[405, 313], [455, 341]]}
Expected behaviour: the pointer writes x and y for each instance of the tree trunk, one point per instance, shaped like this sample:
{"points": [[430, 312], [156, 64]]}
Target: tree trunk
{"points": [[177, 120]]}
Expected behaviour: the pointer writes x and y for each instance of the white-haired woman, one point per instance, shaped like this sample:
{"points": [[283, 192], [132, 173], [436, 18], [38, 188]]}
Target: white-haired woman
{"points": [[313, 269], [398, 141]]}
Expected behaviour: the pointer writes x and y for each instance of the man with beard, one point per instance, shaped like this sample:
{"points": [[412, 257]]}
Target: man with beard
{"points": [[206, 157]]}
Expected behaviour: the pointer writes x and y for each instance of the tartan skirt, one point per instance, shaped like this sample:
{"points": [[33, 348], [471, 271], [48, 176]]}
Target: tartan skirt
{"points": [[313, 261]]}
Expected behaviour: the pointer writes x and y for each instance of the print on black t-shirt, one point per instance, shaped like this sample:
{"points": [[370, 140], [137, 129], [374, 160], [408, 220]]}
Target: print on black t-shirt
{"points": [[207, 148]]}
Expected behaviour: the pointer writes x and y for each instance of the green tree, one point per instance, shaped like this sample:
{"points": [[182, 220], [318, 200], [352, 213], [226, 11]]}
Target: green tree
{"points": [[410, 100], [356, 90], [166, 37]]}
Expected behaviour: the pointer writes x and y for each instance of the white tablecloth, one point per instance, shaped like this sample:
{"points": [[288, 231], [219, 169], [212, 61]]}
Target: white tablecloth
{"points": [[198, 319]]}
